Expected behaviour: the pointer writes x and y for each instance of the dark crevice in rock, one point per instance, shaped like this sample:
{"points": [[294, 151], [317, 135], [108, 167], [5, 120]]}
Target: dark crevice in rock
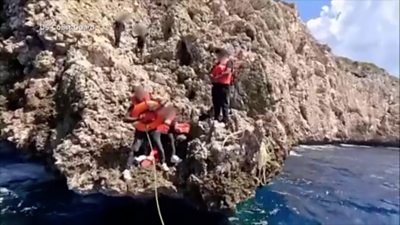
{"points": [[187, 52], [191, 14], [15, 95], [303, 112], [183, 53], [16, 99], [191, 95], [5, 32], [204, 116], [68, 114], [34, 40], [167, 28], [52, 121], [192, 192], [360, 75], [250, 33], [16, 66]]}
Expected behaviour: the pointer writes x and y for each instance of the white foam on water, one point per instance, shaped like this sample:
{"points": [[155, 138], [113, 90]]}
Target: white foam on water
{"points": [[354, 146], [377, 177], [4, 190], [261, 223], [294, 153], [393, 148], [314, 148], [274, 212], [232, 219]]}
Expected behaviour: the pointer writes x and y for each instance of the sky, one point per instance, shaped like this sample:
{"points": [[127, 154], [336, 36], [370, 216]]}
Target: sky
{"points": [[363, 30]]}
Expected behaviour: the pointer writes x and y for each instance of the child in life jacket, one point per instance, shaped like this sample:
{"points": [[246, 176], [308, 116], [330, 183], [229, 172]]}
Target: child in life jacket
{"points": [[166, 127]]}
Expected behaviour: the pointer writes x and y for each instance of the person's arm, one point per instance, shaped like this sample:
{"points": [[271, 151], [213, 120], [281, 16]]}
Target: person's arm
{"points": [[211, 73], [161, 100], [153, 105], [128, 118], [229, 68], [169, 119]]}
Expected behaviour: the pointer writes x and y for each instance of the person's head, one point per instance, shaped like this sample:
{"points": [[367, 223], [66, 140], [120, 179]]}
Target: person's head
{"points": [[140, 92], [222, 54], [168, 110]]}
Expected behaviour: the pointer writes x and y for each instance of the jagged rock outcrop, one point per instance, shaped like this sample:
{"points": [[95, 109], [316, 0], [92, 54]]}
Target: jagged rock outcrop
{"points": [[65, 88]]}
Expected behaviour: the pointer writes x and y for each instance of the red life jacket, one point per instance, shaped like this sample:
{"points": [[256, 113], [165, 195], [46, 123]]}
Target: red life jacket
{"points": [[220, 68], [182, 128]]}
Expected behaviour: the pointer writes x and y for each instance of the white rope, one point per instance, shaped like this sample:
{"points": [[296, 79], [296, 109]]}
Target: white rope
{"points": [[155, 181]]}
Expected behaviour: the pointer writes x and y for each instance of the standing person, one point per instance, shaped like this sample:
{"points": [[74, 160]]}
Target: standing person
{"points": [[221, 77], [140, 95], [118, 27], [140, 31]]}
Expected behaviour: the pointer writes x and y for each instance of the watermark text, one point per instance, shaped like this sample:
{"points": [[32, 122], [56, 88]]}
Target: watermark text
{"points": [[66, 27]]}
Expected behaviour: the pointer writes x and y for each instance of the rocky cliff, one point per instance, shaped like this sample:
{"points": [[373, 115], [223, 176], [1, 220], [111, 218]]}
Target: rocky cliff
{"points": [[65, 89]]}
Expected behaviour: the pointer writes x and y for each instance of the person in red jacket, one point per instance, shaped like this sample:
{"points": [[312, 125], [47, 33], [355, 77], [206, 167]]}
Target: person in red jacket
{"points": [[221, 77]]}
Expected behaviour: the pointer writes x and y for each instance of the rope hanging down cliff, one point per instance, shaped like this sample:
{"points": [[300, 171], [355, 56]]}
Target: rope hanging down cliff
{"points": [[155, 182]]}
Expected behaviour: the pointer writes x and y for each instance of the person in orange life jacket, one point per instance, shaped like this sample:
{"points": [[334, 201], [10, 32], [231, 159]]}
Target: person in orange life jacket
{"points": [[221, 77], [168, 113], [140, 95]]}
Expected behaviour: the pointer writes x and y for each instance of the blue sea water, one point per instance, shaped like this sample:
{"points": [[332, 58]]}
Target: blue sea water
{"points": [[332, 185], [320, 185]]}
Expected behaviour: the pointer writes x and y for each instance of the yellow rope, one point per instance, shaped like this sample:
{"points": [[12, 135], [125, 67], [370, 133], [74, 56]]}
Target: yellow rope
{"points": [[155, 181]]}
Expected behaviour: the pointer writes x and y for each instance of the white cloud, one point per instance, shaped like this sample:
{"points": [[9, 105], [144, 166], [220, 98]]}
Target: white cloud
{"points": [[364, 30]]}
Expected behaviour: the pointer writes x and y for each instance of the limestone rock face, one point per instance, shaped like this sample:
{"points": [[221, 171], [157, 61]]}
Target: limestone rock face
{"points": [[65, 89]]}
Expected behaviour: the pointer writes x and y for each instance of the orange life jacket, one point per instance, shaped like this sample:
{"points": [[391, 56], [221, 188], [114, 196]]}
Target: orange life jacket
{"points": [[151, 121], [148, 116]]}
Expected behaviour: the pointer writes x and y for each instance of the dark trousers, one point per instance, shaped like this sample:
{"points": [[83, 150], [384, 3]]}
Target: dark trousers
{"points": [[117, 35], [140, 46], [220, 97], [140, 137]]}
